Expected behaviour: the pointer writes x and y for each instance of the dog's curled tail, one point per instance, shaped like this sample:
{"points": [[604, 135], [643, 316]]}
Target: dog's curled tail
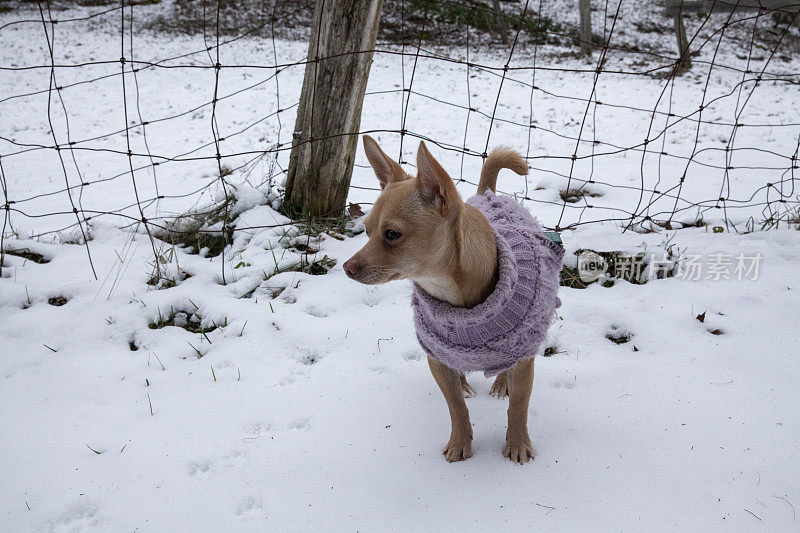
{"points": [[501, 157]]}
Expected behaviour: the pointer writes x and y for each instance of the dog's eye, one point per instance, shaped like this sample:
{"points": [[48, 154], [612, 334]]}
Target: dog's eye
{"points": [[391, 235]]}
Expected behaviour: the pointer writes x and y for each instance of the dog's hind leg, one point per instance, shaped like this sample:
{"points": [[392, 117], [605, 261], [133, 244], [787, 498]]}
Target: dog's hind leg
{"points": [[460, 444], [469, 392], [520, 384], [500, 386]]}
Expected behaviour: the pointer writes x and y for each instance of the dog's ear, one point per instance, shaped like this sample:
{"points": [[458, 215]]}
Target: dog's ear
{"points": [[385, 168], [435, 185]]}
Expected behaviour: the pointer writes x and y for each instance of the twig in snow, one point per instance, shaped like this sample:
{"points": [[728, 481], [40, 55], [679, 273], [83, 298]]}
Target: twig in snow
{"points": [[95, 451], [547, 507], [790, 505], [159, 361], [752, 513]]}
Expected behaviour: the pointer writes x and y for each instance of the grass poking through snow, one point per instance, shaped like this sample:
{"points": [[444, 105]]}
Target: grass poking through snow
{"points": [[28, 254]]}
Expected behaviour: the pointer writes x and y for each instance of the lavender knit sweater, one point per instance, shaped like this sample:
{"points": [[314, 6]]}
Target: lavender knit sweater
{"points": [[512, 322]]}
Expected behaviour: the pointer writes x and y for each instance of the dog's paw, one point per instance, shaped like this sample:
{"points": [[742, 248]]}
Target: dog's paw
{"points": [[519, 451], [469, 392], [500, 386], [458, 449]]}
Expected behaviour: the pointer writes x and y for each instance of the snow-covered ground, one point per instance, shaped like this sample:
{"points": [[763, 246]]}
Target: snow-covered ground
{"points": [[306, 401]]}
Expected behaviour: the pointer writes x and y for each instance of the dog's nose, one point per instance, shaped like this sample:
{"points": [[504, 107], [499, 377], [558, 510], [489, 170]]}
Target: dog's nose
{"points": [[351, 268]]}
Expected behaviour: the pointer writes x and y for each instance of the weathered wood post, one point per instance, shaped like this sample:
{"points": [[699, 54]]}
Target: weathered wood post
{"points": [[684, 60], [325, 136], [676, 9], [585, 34]]}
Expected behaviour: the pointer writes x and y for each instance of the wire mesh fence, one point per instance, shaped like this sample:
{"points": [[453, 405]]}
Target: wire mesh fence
{"points": [[121, 124]]}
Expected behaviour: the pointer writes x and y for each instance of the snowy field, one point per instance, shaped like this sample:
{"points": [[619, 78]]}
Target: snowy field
{"points": [[298, 402]]}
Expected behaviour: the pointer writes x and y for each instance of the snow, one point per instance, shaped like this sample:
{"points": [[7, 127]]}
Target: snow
{"points": [[312, 405]]}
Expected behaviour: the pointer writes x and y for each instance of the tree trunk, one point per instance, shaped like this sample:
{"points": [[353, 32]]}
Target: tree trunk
{"points": [[329, 113], [501, 21], [585, 27]]}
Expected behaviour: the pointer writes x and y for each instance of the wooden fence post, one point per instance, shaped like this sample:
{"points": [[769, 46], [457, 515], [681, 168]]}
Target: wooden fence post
{"points": [[585, 34], [325, 136], [684, 61]]}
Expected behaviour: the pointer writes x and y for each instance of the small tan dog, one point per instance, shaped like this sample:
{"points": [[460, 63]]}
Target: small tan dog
{"points": [[420, 229]]}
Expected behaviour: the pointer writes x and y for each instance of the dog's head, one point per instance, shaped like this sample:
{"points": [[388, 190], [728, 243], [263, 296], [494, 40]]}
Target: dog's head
{"points": [[411, 224]]}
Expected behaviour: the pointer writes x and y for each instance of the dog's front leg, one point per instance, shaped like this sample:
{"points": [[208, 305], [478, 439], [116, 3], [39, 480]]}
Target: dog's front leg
{"points": [[460, 445], [520, 384]]}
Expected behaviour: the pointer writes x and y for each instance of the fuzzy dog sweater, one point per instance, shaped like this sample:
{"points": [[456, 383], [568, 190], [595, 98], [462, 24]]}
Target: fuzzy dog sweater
{"points": [[512, 322]]}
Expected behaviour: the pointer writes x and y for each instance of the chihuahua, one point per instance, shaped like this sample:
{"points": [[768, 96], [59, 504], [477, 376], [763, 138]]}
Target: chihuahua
{"points": [[467, 271]]}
